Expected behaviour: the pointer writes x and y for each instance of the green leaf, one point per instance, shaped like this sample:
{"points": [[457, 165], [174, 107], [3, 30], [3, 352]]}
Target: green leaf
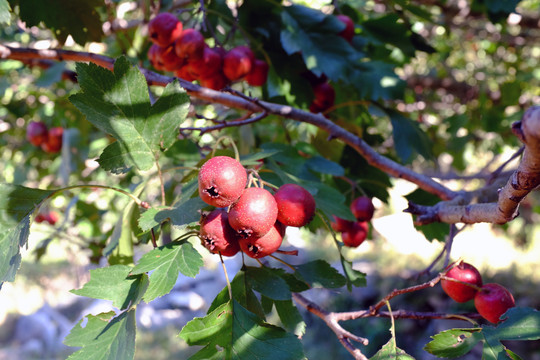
{"points": [[17, 203], [115, 283], [330, 201], [118, 104], [391, 351], [166, 262], [315, 35], [409, 139], [232, 332], [325, 166], [80, 18], [242, 293], [290, 317], [185, 212], [5, 16], [268, 282], [390, 29], [252, 159], [319, 273], [434, 231], [353, 277], [104, 337], [453, 343]]}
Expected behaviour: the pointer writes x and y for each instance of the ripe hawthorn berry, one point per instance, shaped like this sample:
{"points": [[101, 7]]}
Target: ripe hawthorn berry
{"points": [[154, 55], [222, 180], [217, 235], [258, 247], [324, 97], [190, 45], [215, 82], [348, 32], [169, 59], [340, 224], [238, 62], [258, 74], [492, 301], [36, 133], [362, 208], [296, 206], [355, 234], [164, 29], [466, 273], [254, 214], [53, 144]]}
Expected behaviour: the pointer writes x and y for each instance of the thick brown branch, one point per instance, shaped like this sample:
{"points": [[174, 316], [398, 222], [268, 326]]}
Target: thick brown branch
{"points": [[373, 158], [523, 180]]}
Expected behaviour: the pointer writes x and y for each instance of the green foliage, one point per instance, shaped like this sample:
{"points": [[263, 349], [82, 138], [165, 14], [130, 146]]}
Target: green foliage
{"points": [[167, 262], [80, 19], [239, 334], [118, 104], [520, 324], [104, 336], [5, 17]]}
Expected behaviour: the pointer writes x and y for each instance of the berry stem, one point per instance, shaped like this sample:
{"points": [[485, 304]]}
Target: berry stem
{"points": [[283, 262], [288, 252], [226, 276], [91, 186]]}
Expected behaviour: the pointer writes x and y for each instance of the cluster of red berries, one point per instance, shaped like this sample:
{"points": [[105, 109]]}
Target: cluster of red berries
{"points": [[464, 283], [251, 220], [185, 52], [50, 216], [353, 233], [323, 91], [50, 140]]}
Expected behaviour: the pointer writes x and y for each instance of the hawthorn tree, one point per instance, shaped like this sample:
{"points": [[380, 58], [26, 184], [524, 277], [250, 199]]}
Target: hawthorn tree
{"points": [[130, 99]]}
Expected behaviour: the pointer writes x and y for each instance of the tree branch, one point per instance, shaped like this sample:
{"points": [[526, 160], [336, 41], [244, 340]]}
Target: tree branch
{"points": [[372, 157], [522, 181]]}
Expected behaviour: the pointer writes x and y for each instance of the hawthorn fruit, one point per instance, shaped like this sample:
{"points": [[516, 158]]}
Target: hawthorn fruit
{"points": [[254, 214], [355, 234], [296, 206], [222, 180], [217, 235], [190, 45], [238, 62], [466, 273], [258, 247], [53, 144], [36, 133], [164, 29], [362, 208], [258, 74], [348, 32], [492, 301]]}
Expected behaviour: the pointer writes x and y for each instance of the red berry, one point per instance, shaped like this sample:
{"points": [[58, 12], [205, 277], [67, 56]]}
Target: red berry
{"points": [[208, 65], [217, 235], [348, 32], [238, 62], [296, 206], [492, 301], [51, 217], [254, 213], [258, 247], [169, 59], [356, 234], [325, 96], [154, 55], [466, 273], [190, 45], [341, 225], [184, 72], [362, 208], [40, 218], [221, 181], [36, 133], [54, 140], [164, 29], [258, 74], [215, 82]]}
